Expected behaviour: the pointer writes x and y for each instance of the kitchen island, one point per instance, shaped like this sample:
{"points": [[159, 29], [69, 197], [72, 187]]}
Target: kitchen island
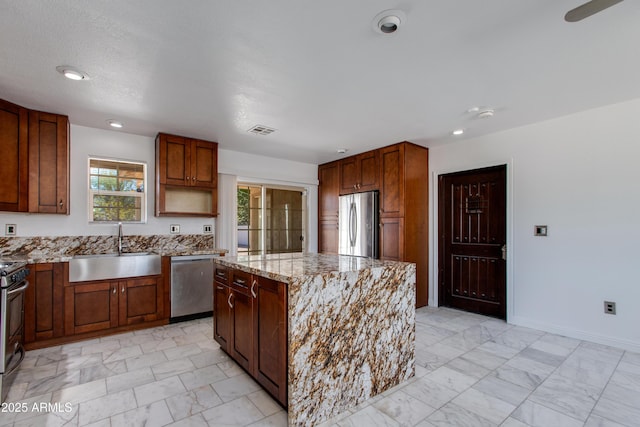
{"points": [[349, 324]]}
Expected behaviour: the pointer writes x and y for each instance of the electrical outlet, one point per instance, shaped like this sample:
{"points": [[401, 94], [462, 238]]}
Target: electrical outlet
{"points": [[174, 228], [10, 229], [207, 229], [610, 307], [540, 230]]}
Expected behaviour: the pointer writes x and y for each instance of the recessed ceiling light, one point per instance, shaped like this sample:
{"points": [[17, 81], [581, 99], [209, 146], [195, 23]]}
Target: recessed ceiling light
{"points": [[485, 114], [72, 73], [115, 124], [457, 132], [342, 150]]}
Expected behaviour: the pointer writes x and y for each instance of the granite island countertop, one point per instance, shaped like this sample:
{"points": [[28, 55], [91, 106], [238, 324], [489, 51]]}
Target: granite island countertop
{"points": [[350, 328], [285, 267]]}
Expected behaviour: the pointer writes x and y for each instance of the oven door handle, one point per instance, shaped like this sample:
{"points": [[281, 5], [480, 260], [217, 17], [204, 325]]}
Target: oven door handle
{"points": [[20, 289], [22, 353]]}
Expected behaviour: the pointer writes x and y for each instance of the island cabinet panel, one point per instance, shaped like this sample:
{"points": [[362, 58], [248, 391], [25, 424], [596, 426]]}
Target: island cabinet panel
{"points": [[14, 173], [250, 324], [48, 163], [221, 308], [44, 302], [242, 322], [271, 337]]}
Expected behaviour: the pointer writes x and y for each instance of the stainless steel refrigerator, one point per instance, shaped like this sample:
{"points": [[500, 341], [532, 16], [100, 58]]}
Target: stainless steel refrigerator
{"points": [[358, 222]]}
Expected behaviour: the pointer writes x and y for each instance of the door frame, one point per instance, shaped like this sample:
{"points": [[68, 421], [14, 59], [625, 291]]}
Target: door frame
{"points": [[433, 229]]}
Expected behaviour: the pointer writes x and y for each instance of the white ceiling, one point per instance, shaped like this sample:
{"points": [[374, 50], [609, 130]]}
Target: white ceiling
{"points": [[316, 70]]}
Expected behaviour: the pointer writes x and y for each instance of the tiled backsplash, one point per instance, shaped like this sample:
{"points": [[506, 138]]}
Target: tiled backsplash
{"points": [[82, 245]]}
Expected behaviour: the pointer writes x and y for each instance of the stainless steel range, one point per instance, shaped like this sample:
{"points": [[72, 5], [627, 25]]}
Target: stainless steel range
{"points": [[13, 283]]}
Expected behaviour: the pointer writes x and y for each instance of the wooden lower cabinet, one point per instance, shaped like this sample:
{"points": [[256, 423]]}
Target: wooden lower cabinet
{"points": [[44, 298], [250, 324], [392, 239], [102, 305]]}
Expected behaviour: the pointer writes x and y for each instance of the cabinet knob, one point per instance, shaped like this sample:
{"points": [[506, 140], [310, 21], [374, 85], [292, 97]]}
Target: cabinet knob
{"points": [[60, 203], [122, 290], [114, 289], [193, 178], [187, 178]]}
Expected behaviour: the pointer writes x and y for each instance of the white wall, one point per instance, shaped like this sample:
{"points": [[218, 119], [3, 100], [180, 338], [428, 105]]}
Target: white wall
{"points": [[579, 175], [114, 144]]}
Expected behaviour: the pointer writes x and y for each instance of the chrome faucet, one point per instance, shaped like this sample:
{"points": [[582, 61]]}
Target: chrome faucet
{"points": [[119, 238]]}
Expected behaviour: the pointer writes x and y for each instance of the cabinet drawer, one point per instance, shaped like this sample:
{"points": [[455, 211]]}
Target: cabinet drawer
{"points": [[221, 274], [240, 281]]}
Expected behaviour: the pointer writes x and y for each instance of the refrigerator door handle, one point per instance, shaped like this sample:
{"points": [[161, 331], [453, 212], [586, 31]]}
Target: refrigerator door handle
{"points": [[353, 224]]}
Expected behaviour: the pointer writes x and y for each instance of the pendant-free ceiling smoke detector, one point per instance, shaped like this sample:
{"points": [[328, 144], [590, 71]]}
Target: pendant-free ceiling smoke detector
{"points": [[388, 21]]}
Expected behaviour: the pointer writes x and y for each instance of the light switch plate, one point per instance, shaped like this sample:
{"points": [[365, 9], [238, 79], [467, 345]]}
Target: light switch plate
{"points": [[207, 229], [10, 229], [174, 228]]}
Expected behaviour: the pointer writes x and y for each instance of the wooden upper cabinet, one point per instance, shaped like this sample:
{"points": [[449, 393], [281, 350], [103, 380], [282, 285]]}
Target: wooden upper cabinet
{"points": [[328, 191], [48, 163], [14, 173], [360, 173], [187, 162], [392, 177], [186, 176]]}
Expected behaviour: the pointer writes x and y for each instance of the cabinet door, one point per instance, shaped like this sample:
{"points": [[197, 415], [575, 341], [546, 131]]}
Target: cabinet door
{"points": [[48, 163], [368, 170], [173, 153], [14, 173], [204, 164], [328, 191], [140, 300], [392, 185], [90, 307], [44, 300], [241, 348], [221, 315], [271, 336], [349, 175], [392, 239], [328, 237]]}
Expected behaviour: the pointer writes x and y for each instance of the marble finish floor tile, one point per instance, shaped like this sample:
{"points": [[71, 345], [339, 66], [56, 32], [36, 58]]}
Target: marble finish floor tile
{"points": [[470, 371]]}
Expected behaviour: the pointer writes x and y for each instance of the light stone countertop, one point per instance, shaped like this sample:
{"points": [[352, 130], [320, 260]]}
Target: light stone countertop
{"points": [[284, 267]]}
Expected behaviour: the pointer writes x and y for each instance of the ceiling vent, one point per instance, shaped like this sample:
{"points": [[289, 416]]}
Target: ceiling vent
{"points": [[261, 130]]}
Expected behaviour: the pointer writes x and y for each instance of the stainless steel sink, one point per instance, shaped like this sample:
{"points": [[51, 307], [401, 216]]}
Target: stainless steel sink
{"points": [[84, 268]]}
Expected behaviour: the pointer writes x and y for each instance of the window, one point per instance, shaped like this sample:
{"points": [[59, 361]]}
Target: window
{"points": [[117, 191], [270, 220]]}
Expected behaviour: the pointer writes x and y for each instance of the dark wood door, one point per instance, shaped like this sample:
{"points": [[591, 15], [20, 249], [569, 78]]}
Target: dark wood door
{"points": [[472, 238], [14, 173], [271, 336]]}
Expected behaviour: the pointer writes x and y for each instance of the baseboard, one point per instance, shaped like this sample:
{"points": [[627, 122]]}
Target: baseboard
{"points": [[576, 333]]}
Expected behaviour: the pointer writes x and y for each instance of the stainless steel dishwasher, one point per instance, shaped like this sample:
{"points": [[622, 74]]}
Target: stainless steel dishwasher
{"points": [[191, 287]]}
